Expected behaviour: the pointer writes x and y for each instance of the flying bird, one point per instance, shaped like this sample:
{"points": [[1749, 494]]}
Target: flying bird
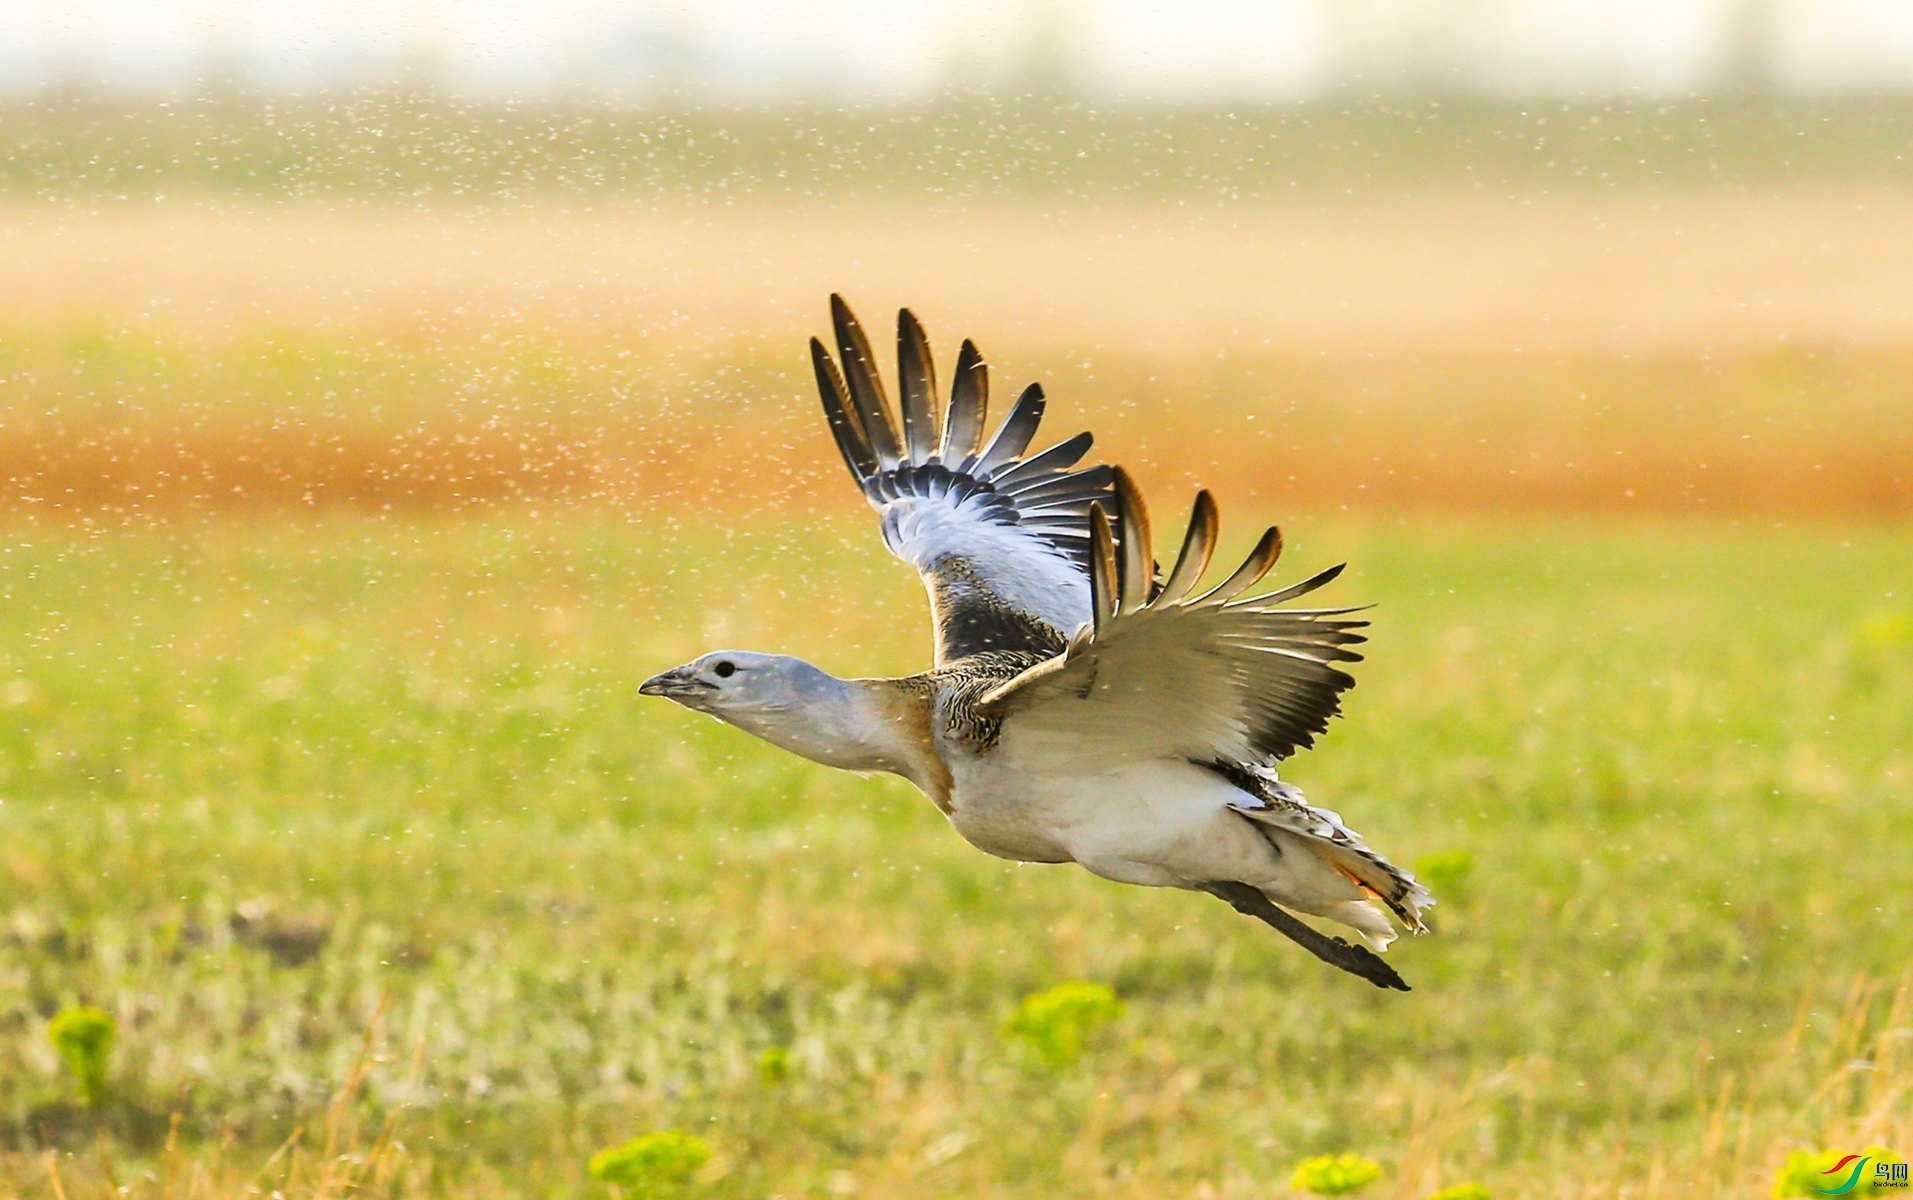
{"points": [[1083, 706]]}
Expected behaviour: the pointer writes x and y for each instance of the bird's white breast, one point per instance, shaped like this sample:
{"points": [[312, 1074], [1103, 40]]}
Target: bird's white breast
{"points": [[1006, 812], [1162, 823]]}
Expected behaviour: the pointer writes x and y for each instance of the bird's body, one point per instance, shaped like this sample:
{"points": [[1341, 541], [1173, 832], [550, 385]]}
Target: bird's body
{"points": [[1156, 824], [1081, 707]]}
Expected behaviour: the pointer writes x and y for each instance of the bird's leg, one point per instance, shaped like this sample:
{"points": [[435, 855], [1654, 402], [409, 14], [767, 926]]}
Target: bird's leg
{"points": [[1356, 960]]}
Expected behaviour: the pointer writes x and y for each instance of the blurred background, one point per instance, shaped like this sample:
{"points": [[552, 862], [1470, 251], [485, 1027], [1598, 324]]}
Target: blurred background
{"points": [[1582, 256], [1210, 51], [387, 388]]}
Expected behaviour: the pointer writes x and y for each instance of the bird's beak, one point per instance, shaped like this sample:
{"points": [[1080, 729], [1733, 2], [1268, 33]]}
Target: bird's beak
{"points": [[676, 682]]}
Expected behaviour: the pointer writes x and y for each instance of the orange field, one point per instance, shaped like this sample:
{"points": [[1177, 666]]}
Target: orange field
{"points": [[1733, 349]]}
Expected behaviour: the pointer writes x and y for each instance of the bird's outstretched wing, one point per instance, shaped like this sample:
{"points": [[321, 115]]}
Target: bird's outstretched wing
{"points": [[1001, 537], [1156, 673], [1233, 684]]}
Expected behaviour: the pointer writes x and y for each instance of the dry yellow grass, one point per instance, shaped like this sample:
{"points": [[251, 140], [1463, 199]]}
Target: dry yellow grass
{"points": [[1625, 272], [1712, 350]]}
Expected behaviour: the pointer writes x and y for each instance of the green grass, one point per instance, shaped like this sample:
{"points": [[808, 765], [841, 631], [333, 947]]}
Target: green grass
{"points": [[413, 144], [267, 784]]}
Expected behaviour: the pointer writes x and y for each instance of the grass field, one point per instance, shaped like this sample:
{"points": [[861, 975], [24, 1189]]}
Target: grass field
{"points": [[417, 144], [359, 456], [1430, 349], [270, 785]]}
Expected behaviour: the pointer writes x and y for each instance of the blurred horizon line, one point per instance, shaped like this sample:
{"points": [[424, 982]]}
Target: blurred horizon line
{"points": [[417, 144], [1207, 51]]}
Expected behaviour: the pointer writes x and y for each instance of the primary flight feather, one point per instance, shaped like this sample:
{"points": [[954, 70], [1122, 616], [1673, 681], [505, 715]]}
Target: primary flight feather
{"points": [[1082, 707]]}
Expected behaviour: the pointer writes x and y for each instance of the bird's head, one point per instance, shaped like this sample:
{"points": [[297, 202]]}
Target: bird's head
{"points": [[788, 703], [738, 685]]}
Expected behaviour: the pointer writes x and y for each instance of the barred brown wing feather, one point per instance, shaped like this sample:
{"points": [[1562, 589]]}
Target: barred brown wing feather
{"points": [[1158, 675]]}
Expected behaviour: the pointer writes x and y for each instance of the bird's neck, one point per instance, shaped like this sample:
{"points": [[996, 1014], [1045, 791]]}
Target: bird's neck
{"points": [[859, 725]]}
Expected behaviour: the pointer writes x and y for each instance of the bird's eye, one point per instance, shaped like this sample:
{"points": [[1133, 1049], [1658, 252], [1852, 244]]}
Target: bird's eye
{"points": [[724, 670]]}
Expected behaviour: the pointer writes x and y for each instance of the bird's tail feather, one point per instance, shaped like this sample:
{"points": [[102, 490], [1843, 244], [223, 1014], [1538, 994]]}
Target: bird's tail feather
{"points": [[1283, 807]]}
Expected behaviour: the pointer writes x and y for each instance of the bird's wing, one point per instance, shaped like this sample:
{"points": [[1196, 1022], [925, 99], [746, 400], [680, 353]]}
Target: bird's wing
{"points": [[1001, 537], [1158, 674]]}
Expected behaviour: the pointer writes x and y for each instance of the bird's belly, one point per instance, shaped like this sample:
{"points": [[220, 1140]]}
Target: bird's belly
{"points": [[1158, 824], [1008, 813]]}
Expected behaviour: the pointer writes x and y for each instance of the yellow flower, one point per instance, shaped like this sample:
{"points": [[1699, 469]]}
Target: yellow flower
{"points": [[651, 1165], [1334, 1174], [1054, 1023]]}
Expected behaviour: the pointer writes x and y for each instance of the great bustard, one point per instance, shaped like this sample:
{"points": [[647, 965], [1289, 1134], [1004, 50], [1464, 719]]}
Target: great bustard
{"points": [[1083, 707]]}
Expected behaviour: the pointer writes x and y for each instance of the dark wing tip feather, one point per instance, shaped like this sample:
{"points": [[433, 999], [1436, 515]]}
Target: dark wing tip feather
{"points": [[1260, 562], [1198, 545], [1053, 461], [1303, 588], [969, 405], [866, 386], [1061, 489], [1103, 589], [1013, 436], [917, 388], [1137, 559], [844, 425]]}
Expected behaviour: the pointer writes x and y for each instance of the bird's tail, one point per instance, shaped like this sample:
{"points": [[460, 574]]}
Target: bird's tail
{"points": [[1322, 832]]}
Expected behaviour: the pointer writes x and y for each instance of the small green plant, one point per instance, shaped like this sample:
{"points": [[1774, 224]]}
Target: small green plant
{"points": [[657, 1164], [1334, 1174], [773, 1065], [1055, 1023], [1817, 1174], [1462, 1191], [84, 1038]]}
